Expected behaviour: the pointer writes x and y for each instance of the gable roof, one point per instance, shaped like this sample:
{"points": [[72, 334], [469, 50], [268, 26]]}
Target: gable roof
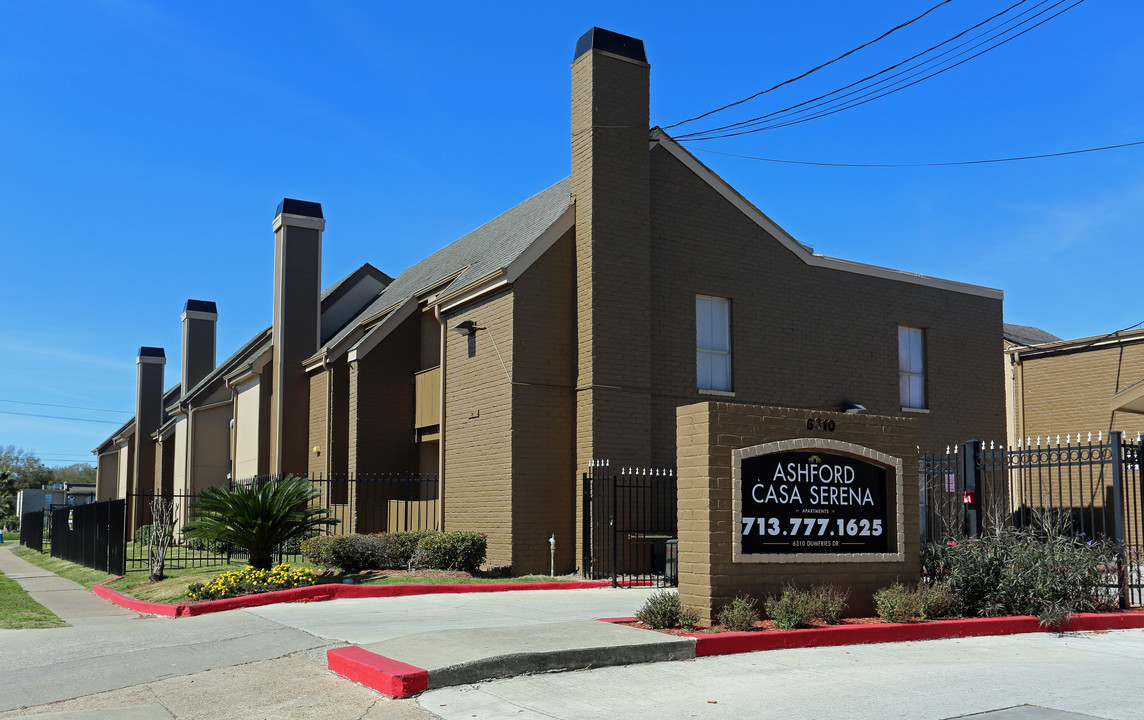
{"points": [[464, 262], [1027, 335]]}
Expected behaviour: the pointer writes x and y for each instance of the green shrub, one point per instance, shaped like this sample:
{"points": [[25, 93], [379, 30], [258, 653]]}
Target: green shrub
{"points": [[143, 535], [897, 603], [316, 550], [935, 601], [791, 608], [402, 545], [661, 610], [1044, 571], [354, 553], [830, 602], [740, 614], [212, 546], [462, 550]]}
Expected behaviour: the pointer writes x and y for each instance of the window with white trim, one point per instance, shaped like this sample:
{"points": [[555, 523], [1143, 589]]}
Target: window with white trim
{"points": [[912, 366], [713, 343]]}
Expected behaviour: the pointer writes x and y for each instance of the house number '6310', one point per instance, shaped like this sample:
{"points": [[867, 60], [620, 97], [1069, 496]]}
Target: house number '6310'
{"points": [[819, 424]]}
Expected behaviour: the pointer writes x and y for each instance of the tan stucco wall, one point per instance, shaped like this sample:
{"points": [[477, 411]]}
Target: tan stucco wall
{"points": [[248, 415], [210, 446], [107, 475], [708, 433]]}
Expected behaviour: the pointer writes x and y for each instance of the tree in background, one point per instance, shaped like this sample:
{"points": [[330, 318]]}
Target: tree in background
{"points": [[22, 470]]}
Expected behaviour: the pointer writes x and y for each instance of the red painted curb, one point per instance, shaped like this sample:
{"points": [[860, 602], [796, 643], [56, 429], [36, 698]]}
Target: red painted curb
{"points": [[143, 606], [330, 591], [386, 675], [727, 643]]}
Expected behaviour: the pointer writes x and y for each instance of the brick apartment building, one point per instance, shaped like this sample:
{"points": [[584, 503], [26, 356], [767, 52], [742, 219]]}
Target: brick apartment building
{"points": [[567, 329]]}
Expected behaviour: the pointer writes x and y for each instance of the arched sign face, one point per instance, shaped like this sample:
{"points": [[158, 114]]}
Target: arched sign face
{"points": [[813, 502]]}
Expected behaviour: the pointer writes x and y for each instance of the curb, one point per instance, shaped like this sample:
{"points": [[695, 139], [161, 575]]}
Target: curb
{"points": [[729, 643], [389, 677], [317, 593]]}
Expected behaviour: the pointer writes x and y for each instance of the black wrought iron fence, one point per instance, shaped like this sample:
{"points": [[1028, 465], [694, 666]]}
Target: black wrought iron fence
{"points": [[629, 525], [91, 535], [1093, 488], [361, 503], [32, 530]]}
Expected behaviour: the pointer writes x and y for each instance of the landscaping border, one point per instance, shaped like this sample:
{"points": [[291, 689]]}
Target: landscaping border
{"points": [[329, 591], [729, 643]]}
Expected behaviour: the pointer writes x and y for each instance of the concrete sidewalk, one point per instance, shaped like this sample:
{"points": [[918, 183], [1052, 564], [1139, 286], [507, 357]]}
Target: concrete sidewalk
{"points": [[72, 602]]}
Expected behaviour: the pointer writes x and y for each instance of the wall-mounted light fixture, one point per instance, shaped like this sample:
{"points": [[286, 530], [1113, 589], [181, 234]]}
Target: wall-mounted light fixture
{"points": [[852, 408], [469, 328], [466, 328]]}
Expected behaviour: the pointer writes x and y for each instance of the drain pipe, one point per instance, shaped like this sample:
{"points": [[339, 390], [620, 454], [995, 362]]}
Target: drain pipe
{"points": [[552, 555], [441, 423]]}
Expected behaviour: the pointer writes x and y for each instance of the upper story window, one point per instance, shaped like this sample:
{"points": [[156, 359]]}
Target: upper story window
{"points": [[912, 366], [713, 343]]}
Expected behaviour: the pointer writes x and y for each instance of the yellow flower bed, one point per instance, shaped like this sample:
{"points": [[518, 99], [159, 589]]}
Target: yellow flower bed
{"points": [[248, 581]]}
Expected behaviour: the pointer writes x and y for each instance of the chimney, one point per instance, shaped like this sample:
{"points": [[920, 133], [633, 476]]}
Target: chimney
{"points": [[199, 320], [611, 171], [298, 227], [148, 417]]}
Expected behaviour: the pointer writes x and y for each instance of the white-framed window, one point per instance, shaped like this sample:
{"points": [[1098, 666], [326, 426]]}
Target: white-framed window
{"points": [[912, 366], [713, 343]]}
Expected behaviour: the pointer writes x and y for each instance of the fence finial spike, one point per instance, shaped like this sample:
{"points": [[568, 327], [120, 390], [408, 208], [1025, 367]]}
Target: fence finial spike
{"points": [[1018, 443], [1038, 441], [1090, 435], [1068, 438], [1058, 439], [1100, 436]]}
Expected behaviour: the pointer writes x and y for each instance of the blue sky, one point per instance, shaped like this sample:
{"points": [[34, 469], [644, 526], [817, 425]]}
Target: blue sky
{"points": [[145, 146]]}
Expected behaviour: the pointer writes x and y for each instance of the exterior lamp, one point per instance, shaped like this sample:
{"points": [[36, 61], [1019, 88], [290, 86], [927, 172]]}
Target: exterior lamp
{"points": [[852, 408], [465, 328]]}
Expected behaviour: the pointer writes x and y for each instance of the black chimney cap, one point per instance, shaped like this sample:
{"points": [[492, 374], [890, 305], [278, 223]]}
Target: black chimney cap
{"points": [[289, 206], [151, 352], [612, 42], [200, 306]]}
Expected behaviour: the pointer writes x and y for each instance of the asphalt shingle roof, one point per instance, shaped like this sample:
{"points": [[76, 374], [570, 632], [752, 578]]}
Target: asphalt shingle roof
{"points": [[490, 247], [1027, 335]]}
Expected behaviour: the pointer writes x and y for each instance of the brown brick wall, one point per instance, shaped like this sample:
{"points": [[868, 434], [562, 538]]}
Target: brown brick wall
{"points": [[804, 336], [707, 434], [610, 186], [544, 499], [319, 420], [478, 487], [1069, 393]]}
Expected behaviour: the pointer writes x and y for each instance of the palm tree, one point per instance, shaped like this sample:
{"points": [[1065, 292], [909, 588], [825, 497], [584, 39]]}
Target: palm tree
{"points": [[258, 516]]}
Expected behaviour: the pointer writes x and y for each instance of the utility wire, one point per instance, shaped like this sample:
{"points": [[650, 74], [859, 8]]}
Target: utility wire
{"points": [[69, 407], [754, 120], [30, 414], [877, 94], [812, 70], [935, 164]]}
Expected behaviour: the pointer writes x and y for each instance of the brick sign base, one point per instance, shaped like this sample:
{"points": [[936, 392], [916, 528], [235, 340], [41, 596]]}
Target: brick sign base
{"points": [[712, 441]]}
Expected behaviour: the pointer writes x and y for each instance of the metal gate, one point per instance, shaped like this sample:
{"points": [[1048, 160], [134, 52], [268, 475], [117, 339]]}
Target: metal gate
{"points": [[629, 526], [32, 530], [1093, 487]]}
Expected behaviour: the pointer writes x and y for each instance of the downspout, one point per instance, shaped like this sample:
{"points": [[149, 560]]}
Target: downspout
{"points": [[329, 415], [441, 424]]}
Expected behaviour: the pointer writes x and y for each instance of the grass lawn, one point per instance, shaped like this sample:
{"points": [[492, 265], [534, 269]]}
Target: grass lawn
{"points": [[18, 611], [173, 588], [76, 573]]}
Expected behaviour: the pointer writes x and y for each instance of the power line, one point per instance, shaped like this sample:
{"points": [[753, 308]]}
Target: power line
{"points": [[935, 164], [69, 407], [60, 417], [752, 121], [812, 70], [900, 87]]}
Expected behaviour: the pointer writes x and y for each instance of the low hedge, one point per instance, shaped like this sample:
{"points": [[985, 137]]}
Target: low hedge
{"points": [[462, 550]]}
